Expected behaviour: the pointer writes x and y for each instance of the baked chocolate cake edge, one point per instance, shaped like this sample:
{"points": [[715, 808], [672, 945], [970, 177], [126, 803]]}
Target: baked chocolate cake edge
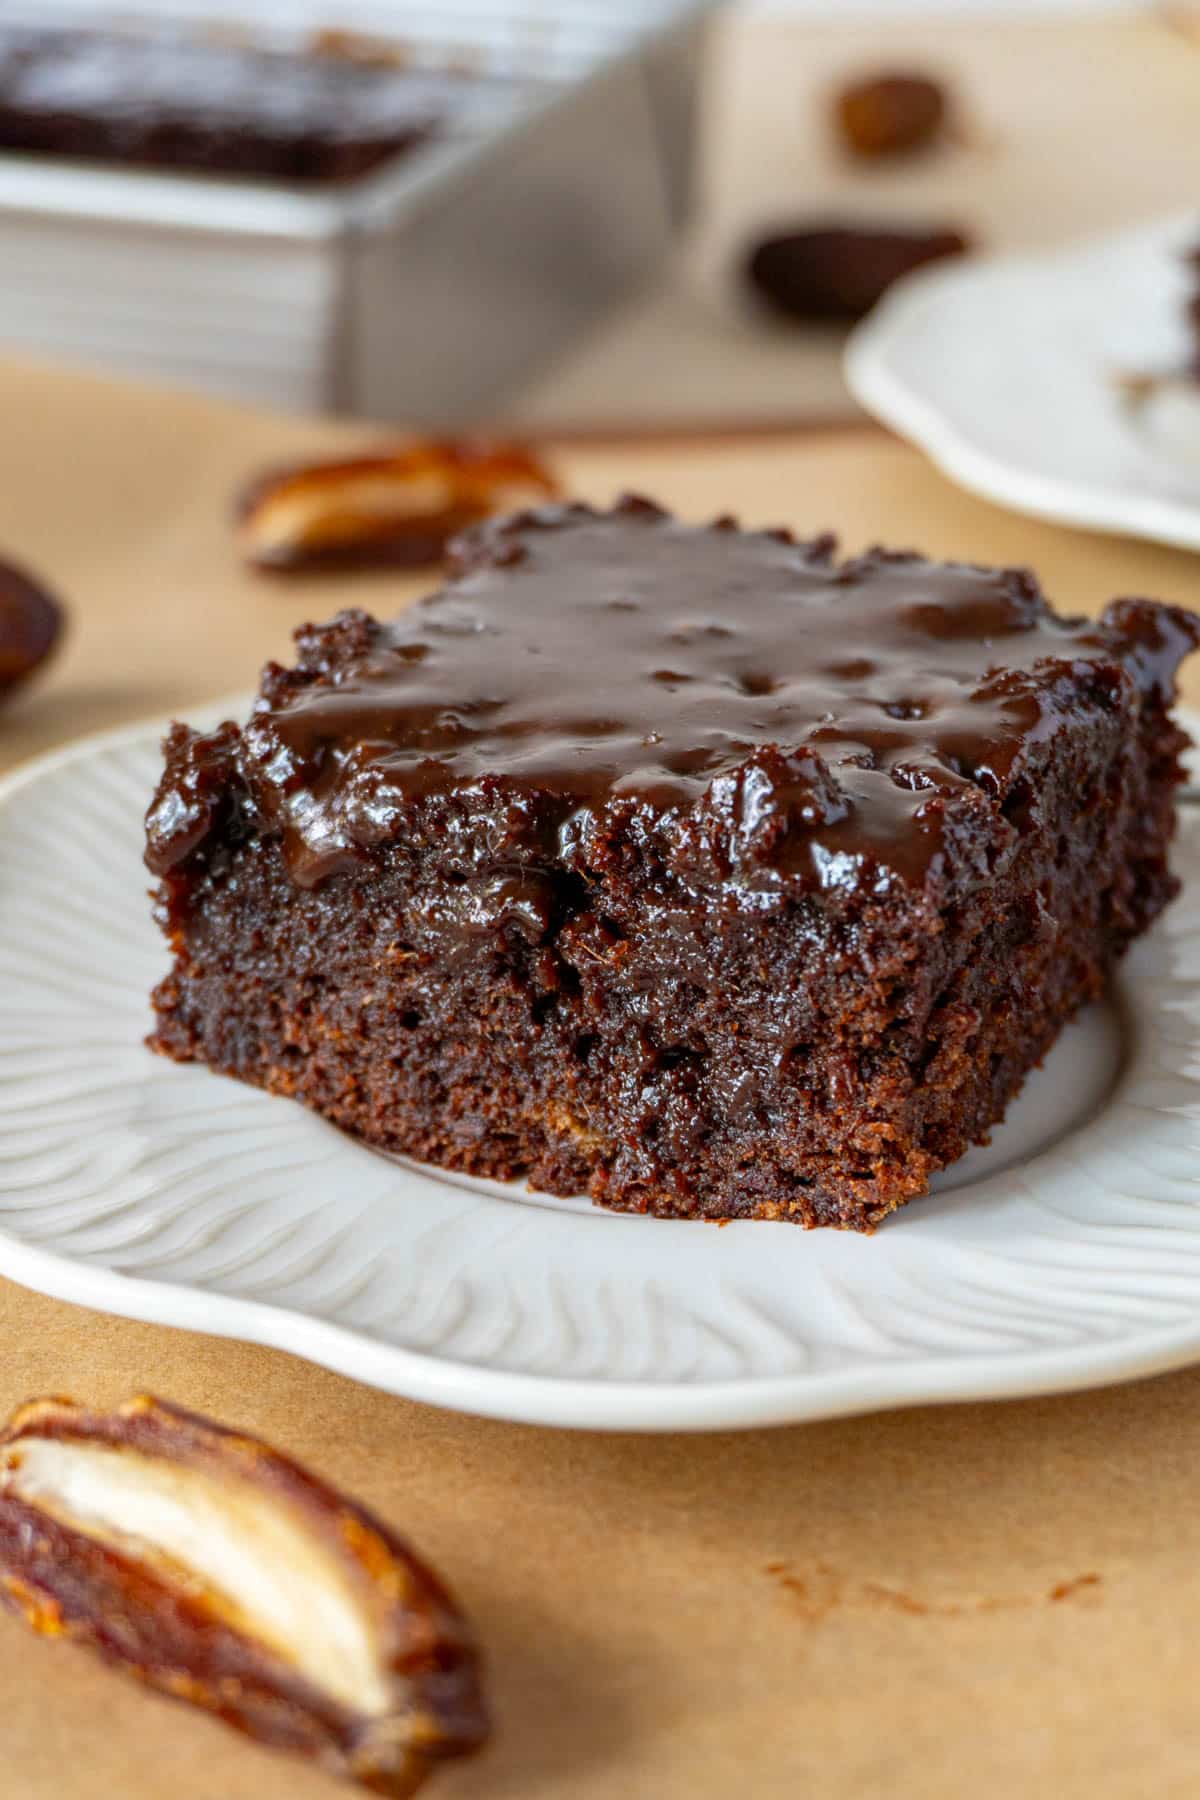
{"points": [[182, 102], [640, 949]]}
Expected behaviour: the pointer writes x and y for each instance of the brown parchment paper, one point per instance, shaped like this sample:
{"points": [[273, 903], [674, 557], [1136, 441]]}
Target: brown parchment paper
{"points": [[976, 1601]]}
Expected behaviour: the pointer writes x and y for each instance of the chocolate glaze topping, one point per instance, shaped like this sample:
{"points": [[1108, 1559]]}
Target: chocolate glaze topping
{"points": [[768, 712]]}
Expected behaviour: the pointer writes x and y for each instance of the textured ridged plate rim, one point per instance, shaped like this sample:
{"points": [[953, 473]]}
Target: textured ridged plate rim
{"points": [[1077, 453], [1159, 997]]}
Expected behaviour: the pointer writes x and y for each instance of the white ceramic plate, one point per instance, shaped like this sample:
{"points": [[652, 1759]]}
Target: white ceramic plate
{"points": [[1066, 1254], [1008, 372]]}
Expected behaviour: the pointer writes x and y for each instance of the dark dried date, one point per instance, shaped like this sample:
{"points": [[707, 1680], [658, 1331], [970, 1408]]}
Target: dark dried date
{"points": [[30, 623], [391, 509], [890, 114], [838, 272], [217, 1570]]}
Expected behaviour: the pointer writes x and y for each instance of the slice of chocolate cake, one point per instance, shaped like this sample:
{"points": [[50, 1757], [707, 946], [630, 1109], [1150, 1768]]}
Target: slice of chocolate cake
{"points": [[169, 100], [685, 866]]}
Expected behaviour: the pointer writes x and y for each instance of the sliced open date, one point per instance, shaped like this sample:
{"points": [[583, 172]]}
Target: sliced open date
{"points": [[221, 1572], [30, 622], [391, 509]]}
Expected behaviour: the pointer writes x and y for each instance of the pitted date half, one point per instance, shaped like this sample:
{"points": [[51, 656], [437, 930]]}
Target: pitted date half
{"points": [[393, 509], [224, 1574]]}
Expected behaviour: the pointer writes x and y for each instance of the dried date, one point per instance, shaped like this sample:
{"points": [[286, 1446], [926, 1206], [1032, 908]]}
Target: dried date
{"points": [[890, 114], [838, 272], [220, 1572], [30, 623], [392, 509]]}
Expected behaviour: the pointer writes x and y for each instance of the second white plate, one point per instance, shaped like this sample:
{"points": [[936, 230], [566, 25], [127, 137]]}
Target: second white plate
{"points": [[1066, 1254], [1011, 374]]}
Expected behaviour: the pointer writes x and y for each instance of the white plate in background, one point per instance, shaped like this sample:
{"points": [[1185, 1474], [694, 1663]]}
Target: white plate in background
{"points": [[1008, 372], [1065, 1255]]}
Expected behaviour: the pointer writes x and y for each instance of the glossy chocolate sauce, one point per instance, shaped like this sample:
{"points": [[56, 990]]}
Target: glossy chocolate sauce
{"points": [[777, 707]]}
